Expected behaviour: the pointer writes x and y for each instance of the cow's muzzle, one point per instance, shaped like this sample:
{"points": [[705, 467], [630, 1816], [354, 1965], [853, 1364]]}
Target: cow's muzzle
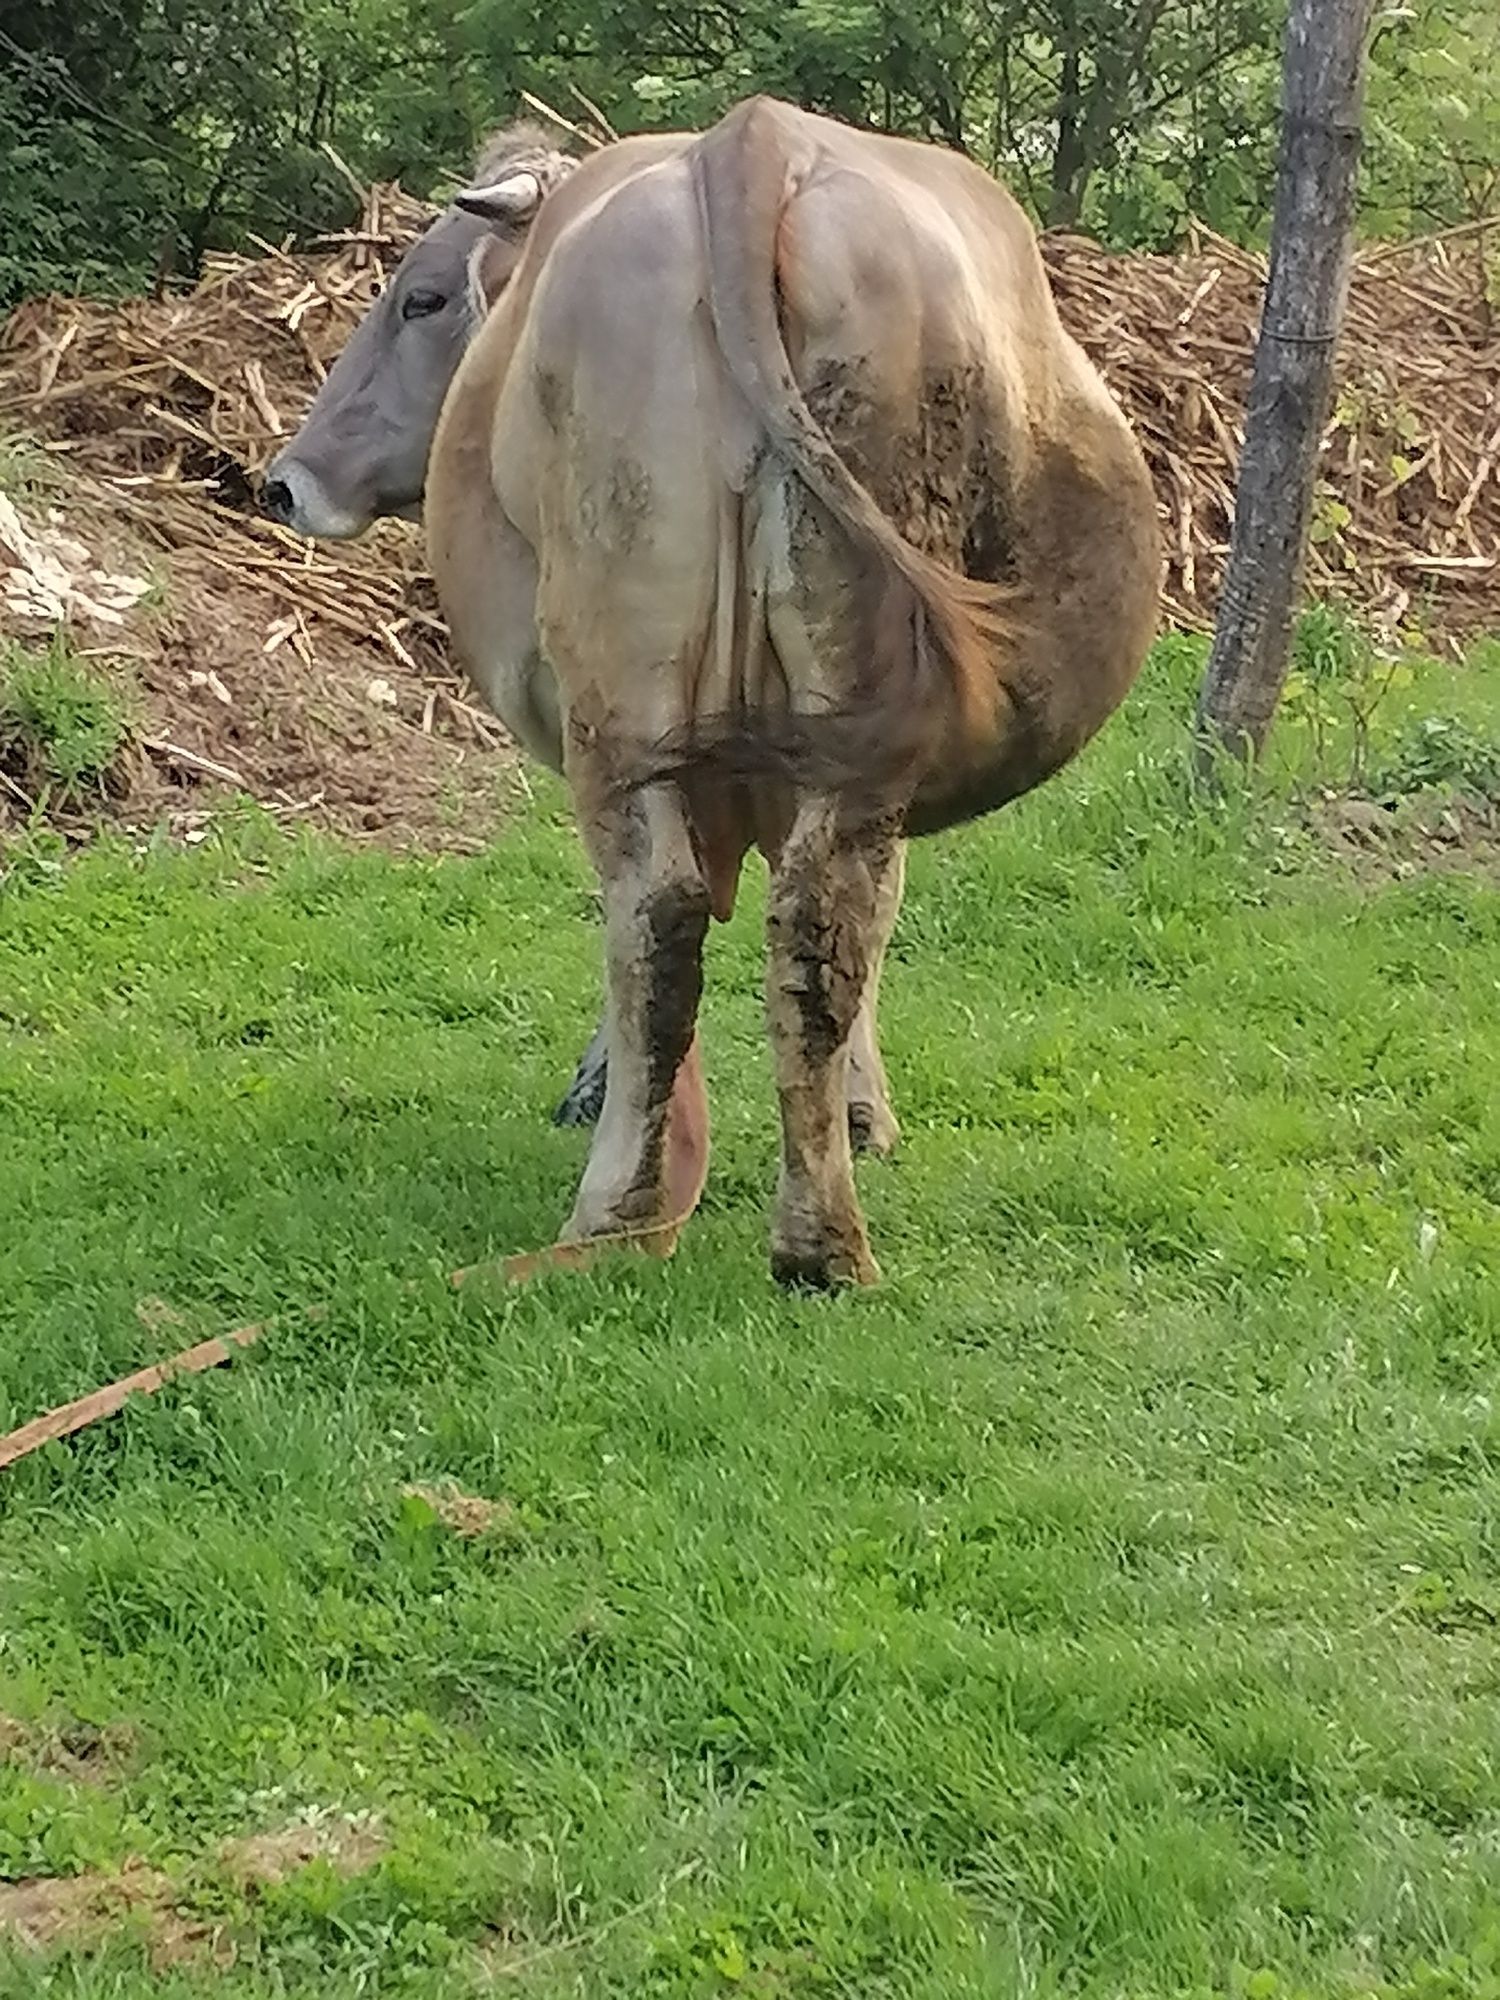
{"points": [[293, 495], [276, 500]]}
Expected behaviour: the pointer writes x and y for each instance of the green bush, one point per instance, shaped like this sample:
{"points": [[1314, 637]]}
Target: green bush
{"points": [[135, 135], [1338, 679]]}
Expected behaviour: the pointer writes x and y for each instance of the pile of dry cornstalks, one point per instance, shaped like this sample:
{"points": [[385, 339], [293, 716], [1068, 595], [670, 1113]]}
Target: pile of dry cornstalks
{"points": [[173, 406]]}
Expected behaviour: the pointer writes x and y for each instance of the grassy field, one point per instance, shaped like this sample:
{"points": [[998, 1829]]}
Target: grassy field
{"points": [[1107, 1606]]}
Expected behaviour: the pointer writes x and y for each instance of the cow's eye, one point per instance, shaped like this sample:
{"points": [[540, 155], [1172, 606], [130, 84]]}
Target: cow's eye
{"points": [[418, 305]]}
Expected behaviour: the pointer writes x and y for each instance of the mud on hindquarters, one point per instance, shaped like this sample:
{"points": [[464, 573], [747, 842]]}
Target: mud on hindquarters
{"points": [[941, 481]]}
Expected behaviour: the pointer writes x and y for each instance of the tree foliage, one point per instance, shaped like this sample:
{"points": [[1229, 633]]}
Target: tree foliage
{"points": [[1433, 138], [134, 134]]}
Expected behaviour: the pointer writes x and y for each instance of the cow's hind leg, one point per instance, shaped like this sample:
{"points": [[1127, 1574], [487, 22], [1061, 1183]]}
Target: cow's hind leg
{"points": [[650, 1151], [873, 1127], [822, 927]]}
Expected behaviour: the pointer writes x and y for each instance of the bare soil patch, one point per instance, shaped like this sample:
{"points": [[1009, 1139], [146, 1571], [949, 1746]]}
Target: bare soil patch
{"points": [[46, 1913], [465, 1514], [349, 1844], [1383, 843], [77, 1752]]}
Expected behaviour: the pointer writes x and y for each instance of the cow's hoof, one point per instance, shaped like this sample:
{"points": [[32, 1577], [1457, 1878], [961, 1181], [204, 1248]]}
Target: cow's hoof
{"points": [[830, 1267], [583, 1103], [873, 1130]]}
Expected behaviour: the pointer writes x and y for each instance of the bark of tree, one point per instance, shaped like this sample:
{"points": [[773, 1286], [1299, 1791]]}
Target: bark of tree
{"points": [[1292, 382], [1065, 199]]}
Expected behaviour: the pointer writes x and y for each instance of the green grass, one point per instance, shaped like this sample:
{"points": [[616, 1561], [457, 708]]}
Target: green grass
{"points": [[1105, 1607], [28, 471], [63, 721]]}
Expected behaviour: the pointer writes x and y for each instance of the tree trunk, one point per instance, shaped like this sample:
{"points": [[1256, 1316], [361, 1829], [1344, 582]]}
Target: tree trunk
{"points": [[1292, 383], [203, 220], [1065, 197]]}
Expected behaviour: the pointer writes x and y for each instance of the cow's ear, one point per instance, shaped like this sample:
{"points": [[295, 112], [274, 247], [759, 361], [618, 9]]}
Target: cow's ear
{"points": [[513, 199], [491, 266]]}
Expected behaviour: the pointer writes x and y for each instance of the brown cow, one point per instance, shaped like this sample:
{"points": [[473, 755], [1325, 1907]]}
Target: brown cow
{"points": [[362, 451], [774, 480]]}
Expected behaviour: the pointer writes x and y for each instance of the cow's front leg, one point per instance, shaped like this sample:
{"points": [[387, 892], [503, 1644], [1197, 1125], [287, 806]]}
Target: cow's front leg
{"points": [[823, 935], [650, 1152], [584, 1098]]}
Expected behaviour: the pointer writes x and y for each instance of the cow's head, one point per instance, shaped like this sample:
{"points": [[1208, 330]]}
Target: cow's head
{"points": [[362, 449]]}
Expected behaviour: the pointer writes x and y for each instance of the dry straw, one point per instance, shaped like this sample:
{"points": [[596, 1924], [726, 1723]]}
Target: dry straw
{"points": [[171, 407]]}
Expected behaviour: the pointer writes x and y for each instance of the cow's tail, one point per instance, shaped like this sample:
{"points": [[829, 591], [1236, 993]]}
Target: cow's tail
{"points": [[939, 636]]}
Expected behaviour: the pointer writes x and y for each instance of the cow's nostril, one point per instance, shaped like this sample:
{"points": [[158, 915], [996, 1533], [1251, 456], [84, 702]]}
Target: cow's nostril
{"points": [[276, 499]]}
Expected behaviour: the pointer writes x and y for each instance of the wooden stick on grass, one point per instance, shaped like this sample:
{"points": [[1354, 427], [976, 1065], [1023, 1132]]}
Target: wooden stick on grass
{"points": [[657, 1239], [70, 1417]]}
